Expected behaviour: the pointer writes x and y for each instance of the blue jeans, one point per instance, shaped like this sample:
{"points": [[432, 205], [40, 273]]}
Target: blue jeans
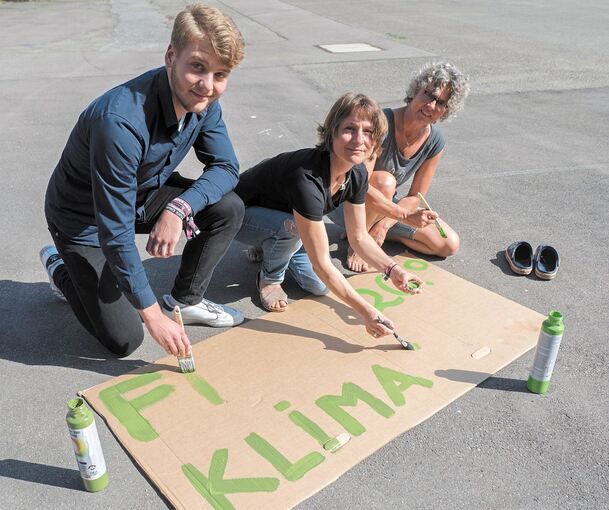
{"points": [[275, 232], [398, 230]]}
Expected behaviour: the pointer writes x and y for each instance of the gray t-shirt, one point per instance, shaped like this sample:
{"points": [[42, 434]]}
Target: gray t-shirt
{"points": [[391, 158]]}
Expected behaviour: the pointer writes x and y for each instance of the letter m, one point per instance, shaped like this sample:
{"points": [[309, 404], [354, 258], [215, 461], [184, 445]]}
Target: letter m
{"points": [[351, 393]]}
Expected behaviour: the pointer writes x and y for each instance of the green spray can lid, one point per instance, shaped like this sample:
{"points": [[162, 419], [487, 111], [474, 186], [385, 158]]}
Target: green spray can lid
{"points": [[554, 325]]}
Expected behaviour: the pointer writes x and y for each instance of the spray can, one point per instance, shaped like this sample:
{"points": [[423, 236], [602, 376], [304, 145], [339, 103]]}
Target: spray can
{"points": [[89, 455], [546, 352]]}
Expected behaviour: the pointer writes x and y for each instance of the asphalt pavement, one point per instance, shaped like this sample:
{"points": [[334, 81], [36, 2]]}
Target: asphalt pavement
{"points": [[525, 160]]}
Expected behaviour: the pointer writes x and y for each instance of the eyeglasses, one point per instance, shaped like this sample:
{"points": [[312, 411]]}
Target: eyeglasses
{"points": [[431, 98]]}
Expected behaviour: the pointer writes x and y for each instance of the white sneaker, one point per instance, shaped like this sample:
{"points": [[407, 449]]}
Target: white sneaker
{"points": [[205, 312], [51, 260]]}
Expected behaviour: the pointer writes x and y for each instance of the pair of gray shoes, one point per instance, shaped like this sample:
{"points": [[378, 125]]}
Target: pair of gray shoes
{"points": [[544, 262]]}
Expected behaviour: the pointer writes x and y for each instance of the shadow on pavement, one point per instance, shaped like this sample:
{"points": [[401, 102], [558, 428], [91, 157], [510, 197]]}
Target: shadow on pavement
{"points": [[490, 382], [41, 473]]}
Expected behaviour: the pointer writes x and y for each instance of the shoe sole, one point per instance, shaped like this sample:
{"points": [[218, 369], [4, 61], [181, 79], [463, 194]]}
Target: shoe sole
{"points": [[516, 269], [544, 276]]}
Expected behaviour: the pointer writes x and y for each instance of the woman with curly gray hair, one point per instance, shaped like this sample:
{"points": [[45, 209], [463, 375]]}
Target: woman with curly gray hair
{"points": [[413, 147]]}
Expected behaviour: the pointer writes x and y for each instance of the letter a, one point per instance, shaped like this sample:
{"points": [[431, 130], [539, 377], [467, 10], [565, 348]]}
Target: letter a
{"points": [[388, 377]]}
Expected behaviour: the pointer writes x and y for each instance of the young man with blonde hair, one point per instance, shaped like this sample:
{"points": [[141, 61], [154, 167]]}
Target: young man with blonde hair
{"points": [[116, 178]]}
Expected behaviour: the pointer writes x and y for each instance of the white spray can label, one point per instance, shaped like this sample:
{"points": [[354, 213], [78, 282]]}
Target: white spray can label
{"points": [[88, 452]]}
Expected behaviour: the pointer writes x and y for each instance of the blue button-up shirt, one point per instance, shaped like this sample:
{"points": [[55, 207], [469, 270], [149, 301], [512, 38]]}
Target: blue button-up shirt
{"points": [[123, 148]]}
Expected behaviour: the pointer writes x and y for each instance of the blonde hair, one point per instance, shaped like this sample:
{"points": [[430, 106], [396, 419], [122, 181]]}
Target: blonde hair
{"points": [[201, 22], [341, 109]]}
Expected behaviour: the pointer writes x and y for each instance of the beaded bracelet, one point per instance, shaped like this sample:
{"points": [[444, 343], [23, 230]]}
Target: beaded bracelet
{"points": [[388, 270]]}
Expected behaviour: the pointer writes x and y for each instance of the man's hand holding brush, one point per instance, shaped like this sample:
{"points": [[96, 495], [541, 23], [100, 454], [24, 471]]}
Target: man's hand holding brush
{"points": [[166, 332]]}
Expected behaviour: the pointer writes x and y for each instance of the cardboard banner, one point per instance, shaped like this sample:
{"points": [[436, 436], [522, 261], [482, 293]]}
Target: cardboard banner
{"points": [[248, 428]]}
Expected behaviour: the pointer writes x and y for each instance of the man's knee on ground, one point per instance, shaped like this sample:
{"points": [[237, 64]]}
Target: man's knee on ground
{"points": [[122, 341], [384, 182]]}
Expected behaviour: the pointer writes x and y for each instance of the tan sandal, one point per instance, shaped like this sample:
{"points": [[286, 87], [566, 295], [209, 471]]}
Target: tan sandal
{"points": [[272, 297]]}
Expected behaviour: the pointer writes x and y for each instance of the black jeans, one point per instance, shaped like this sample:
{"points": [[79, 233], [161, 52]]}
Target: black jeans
{"points": [[92, 291]]}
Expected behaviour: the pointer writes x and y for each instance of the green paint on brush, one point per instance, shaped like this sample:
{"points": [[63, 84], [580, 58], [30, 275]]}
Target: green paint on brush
{"points": [[441, 230], [203, 388], [290, 471], [214, 487]]}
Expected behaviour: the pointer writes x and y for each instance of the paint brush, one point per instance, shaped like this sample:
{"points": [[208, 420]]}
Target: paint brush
{"points": [[187, 363], [437, 223], [405, 343]]}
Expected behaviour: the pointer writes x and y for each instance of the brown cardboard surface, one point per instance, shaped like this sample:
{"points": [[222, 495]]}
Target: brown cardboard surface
{"points": [[317, 348]]}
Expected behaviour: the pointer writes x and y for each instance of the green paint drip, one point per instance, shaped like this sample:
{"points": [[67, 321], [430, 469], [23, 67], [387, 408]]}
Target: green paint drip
{"points": [[126, 413], [282, 406], [291, 472], [351, 393], [214, 488], [379, 303], [203, 388], [429, 283], [415, 265], [153, 396], [388, 378], [309, 426]]}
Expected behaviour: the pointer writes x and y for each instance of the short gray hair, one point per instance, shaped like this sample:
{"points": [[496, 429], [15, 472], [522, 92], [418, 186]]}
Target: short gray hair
{"points": [[441, 74]]}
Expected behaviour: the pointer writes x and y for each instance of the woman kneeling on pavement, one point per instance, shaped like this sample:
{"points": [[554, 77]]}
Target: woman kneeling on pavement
{"points": [[413, 148], [287, 196]]}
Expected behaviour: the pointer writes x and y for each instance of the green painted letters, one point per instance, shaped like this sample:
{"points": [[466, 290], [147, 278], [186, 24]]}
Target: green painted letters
{"points": [[415, 265], [351, 393], [291, 472], [388, 378], [203, 388], [127, 411], [379, 303], [213, 487], [381, 283]]}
